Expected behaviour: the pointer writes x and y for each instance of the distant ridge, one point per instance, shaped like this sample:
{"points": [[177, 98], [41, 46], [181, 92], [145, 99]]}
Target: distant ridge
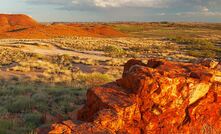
{"points": [[23, 26]]}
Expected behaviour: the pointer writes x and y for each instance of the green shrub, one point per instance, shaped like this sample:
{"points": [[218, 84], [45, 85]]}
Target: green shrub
{"points": [[114, 51], [33, 120], [40, 96], [40, 101], [93, 79], [198, 47], [202, 54], [181, 40], [3, 111], [9, 56], [65, 107], [65, 60], [129, 28], [140, 48], [20, 104], [6, 126]]}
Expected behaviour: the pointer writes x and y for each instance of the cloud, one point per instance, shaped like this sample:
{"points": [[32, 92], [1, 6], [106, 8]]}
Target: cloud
{"points": [[49, 2], [194, 14], [105, 3], [201, 11], [133, 10], [161, 14], [88, 5], [204, 9], [131, 3]]}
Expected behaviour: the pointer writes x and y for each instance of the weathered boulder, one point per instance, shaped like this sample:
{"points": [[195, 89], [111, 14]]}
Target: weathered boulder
{"points": [[157, 97]]}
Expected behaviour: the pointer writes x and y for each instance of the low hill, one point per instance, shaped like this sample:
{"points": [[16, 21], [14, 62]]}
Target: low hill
{"points": [[16, 20], [23, 26]]}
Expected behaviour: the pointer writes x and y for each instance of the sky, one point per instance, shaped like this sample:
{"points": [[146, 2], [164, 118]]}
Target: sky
{"points": [[115, 10]]}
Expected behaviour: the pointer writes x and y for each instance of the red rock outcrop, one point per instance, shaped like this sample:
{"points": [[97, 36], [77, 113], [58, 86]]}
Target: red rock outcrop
{"points": [[157, 97]]}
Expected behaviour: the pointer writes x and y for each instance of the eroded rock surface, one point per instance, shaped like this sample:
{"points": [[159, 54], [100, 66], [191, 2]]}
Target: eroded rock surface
{"points": [[157, 97]]}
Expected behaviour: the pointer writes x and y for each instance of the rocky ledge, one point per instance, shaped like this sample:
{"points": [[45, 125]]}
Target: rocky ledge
{"points": [[157, 97]]}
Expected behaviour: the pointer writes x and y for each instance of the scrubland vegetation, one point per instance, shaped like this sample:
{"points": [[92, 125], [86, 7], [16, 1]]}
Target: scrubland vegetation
{"points": [[42, 80], [201, 48], [40, 89], [27, 105], [200, 40]]}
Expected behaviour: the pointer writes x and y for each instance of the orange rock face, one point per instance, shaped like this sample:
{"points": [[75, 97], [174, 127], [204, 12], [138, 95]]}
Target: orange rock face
{"points": [[16, 20], [157, 97]]}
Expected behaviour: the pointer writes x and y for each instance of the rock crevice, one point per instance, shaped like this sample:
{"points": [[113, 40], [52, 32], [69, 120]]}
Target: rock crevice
{"points": [[157, 97]]}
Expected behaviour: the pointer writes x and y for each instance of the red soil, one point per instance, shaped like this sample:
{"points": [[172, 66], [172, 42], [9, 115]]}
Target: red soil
{"points": [[22, 26]]}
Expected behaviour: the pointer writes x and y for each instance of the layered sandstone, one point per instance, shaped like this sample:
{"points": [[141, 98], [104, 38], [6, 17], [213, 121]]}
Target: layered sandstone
{"points": [[157, 97]]}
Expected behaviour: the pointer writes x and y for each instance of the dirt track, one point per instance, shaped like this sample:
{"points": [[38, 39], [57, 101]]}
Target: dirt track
{"points": [[47, 48]]}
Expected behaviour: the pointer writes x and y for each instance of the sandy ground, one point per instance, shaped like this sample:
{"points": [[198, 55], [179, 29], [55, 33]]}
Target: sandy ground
{"points": [[51, 49]]}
